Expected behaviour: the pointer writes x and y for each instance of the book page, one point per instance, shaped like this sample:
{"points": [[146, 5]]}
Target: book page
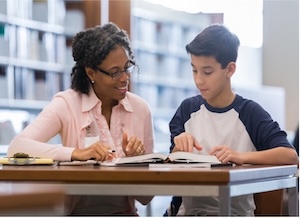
{"points": [[189, 165], [188, 157], [180, 165], [146, 158], [77, 163]]}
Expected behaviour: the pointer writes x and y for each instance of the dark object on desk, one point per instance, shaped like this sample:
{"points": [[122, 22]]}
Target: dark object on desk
{"points": [[223, 165], [20, 155]]}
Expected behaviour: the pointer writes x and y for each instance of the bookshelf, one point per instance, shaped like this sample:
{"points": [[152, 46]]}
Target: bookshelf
{"points": [[159, 36], [35, 57], [33, 63]]}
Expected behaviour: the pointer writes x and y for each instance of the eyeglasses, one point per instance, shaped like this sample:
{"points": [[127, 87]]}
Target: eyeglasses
{"points": [[131, 69]]}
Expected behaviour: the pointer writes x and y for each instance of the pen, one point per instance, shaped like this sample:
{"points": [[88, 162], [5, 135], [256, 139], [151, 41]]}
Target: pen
{"points": [[109, 151]]}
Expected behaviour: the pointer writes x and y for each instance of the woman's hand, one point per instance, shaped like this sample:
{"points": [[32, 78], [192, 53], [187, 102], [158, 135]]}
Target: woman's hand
{"points": [[185, 142], [133, 146], [97, 151]]}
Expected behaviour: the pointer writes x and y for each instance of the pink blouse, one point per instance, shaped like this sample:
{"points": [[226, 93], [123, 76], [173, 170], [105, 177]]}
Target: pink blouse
{"points": [[70, 114]]}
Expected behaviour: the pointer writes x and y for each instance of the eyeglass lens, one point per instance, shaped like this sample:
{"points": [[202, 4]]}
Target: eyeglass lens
{"points": [[131, 69]]}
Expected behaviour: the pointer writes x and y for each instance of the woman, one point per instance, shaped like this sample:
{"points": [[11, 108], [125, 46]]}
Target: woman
{"points": [[99, 103]]}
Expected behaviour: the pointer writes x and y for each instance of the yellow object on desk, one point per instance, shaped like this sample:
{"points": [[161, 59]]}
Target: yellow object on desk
{"points": [[26, 161]]}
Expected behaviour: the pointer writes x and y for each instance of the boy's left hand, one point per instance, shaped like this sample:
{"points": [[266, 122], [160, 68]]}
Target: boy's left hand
{"points": [[226, 154]]}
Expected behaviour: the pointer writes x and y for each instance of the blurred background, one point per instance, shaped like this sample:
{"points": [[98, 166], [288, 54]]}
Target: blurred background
{"points": [[36, 59]]}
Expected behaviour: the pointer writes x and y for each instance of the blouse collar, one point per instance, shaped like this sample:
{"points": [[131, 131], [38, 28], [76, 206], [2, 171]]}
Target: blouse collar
{"points": [[91, 100]]}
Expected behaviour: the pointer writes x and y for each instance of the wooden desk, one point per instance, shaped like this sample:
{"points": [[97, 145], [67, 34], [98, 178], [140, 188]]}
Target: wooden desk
{"points": [[30, 199], [224, 182]]}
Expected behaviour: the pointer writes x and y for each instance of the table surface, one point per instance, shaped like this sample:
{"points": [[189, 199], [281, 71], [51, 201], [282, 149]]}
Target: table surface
{"points": [[224, 182], [144, 175]]}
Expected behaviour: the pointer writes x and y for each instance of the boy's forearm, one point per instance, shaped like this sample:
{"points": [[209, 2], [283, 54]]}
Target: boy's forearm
{"points": [[274, 156]]}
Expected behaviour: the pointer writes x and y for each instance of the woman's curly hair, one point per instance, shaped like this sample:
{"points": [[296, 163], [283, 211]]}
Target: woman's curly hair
{"points": [[90, 47]]}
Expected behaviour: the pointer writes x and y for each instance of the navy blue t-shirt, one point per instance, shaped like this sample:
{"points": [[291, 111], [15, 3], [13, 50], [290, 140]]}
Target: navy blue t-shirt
{"points": [[243, 125]]}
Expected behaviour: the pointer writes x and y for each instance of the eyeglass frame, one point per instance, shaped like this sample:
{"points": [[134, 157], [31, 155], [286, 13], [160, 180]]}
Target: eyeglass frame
{"points": [[112, 75]]}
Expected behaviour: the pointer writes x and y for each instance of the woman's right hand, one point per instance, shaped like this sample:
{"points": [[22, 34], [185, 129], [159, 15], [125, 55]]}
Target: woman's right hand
{"points": [[97, 151]]}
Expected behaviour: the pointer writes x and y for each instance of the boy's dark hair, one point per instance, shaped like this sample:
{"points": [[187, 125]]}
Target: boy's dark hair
{"points": [[90, 47], [216, 41]]}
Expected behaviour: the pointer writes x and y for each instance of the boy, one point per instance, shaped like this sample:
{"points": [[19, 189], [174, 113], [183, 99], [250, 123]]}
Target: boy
{"points": [[221, 123]]}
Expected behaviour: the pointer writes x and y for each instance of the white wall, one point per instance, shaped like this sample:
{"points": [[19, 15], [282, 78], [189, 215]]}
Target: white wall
{"points": [[248, 72], [281, 53]]}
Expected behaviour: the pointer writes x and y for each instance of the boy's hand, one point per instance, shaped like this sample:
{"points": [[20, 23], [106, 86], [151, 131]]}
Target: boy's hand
{"points": [[226, 154], [133, 146], [185, 142]]}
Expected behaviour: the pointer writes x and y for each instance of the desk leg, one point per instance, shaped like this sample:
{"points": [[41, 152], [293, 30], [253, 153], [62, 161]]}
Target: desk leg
{"points": [[224, 201], [149, 209], [293, 199]]}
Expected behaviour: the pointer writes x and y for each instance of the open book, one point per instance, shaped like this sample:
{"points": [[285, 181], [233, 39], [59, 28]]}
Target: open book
{"points": [[153, 158], [177, 159]]}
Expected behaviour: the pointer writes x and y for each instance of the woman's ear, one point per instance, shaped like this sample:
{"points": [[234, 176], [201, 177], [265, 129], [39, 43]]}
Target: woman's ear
{"points": [[90, 73], [231, 67]]}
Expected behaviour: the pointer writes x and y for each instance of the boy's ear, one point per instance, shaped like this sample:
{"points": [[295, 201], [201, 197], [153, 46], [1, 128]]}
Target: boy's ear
{"points": [[90, 73], [231, 69]]}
